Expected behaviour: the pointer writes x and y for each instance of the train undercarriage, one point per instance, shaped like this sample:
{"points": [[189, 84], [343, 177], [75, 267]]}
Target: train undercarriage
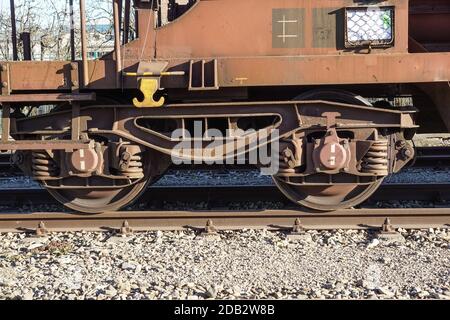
{"points": [[283, 92], [326, 150]]}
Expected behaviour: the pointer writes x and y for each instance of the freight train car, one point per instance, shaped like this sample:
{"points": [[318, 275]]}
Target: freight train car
{"points": [[339, 86]]}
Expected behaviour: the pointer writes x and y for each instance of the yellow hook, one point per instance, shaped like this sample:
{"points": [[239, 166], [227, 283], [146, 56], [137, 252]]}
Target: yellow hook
{"points": [[148, 87]]}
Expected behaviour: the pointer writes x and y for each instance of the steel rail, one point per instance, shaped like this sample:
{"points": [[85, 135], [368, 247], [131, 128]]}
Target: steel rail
{"points": [[363, 218], [227, 220]]}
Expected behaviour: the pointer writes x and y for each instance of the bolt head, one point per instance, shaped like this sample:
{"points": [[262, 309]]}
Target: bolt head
{"points": [[126, 156], [407, 153], [4, 84]]}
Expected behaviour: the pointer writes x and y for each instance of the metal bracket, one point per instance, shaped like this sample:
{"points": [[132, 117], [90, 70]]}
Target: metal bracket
{"points": [[5, 81], [148, 87], [331, 119], [41, 230], [74, 77], [203, 75], [149, 75], [6, 122]]}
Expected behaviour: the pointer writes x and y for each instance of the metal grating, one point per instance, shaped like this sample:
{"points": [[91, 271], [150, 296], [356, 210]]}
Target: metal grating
{"points": [[368, 25]]}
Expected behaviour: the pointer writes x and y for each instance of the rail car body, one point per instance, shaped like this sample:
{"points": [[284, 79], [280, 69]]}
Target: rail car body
{"points": [[300, 67]]}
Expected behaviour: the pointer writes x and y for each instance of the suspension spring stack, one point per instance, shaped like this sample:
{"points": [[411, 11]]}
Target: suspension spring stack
{"points": [[131, 164], [376, 160], [43, 165]]}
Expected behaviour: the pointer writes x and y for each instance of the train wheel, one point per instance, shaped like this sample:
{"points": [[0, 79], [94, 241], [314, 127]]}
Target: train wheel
{"points": [[329, 197], [101, 194], [96, 200], [99, 198]]}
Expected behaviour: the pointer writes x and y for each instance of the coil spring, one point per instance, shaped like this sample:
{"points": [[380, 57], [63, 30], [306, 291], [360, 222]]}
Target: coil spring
{"points": [[376, 159], [132, 167], [43, 165]]}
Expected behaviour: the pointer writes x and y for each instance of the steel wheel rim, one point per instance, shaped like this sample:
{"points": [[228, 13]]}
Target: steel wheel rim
{"points": [[306, 197], [328, 198], [92, 202]]}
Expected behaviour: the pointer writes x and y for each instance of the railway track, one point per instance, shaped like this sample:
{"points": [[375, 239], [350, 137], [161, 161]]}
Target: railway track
{"points": [[216, 200], [229, 220], [223, 218], [432, 156]]}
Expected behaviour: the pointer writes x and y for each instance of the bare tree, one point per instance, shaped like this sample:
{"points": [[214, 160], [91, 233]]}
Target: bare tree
{"points": [[48, 22]]}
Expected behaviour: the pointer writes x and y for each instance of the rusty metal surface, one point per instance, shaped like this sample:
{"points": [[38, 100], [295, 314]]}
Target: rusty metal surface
{"points": [[257, 62], [84, 44], [47, 97], [429, 22], [113, 122], [279, 71], [117, 14], [254, 71], [320, 70], [40, 75], [270, 219], [125, 126], [195, 33], [285, 43], [43, 145]]}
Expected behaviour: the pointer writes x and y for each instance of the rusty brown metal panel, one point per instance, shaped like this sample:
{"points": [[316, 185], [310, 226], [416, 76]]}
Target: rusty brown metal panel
{"points": [[40, 75], [223, 28], [322, 70], [324, 27], [60, 75], [102, 74], [429, 24], [144, 46], [248, 56], [258, 71], [43, 145], [47, 97]]}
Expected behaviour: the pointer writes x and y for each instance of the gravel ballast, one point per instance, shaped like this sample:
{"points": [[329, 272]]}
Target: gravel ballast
{"points": [[247, 264]]}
